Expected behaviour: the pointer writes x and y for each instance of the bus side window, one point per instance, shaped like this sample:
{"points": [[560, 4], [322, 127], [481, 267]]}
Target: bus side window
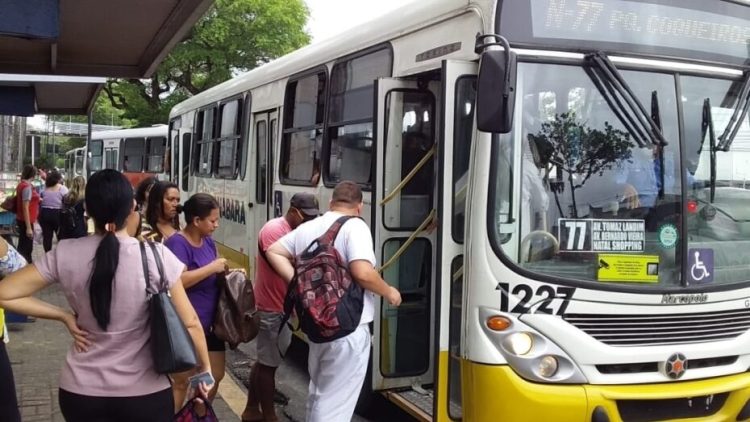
{"points": [[156, 151], [133, 154], [230, 130], [304, 107], [466, 93], [350, 117], [204, 145], [186, 142], [261, 161]]}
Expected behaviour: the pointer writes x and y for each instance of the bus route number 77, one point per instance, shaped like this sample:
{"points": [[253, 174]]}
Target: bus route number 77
{"points": [[544, 294]]}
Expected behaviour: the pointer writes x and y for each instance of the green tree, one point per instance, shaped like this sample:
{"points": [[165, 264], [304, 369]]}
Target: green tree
{"points": [[233, 37], [579, 150]]}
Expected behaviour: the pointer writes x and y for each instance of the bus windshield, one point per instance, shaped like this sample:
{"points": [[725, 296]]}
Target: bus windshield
{"points": [[597, 205]]}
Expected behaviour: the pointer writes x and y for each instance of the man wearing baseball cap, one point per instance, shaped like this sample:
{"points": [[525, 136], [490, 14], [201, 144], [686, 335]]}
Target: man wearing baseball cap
{"points": [[270, 290]]}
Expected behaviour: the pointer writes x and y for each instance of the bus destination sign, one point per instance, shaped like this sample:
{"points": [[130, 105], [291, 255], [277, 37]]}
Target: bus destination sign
{"points": [[654, 27]]}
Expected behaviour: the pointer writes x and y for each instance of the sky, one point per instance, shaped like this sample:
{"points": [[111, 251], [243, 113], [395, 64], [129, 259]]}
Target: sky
{"points": [[330, 17]]}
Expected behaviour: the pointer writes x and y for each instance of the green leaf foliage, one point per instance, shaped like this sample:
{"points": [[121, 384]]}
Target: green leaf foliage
{"points": [[234, 36]]}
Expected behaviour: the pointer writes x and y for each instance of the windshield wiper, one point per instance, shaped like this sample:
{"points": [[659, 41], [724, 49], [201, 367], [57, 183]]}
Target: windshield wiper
{"points": [[740, 111], [707, 125], [656, 117], [631, 112]]}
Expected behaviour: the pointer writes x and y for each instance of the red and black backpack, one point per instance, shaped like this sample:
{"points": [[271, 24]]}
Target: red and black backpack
{"points": [[327, 300]]}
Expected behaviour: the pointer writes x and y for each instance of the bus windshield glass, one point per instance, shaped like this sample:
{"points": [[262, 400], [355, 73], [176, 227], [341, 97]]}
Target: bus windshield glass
{"points": [[595, 205]]}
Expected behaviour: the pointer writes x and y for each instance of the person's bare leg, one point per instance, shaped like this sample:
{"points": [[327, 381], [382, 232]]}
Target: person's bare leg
{"points": [[252, 411], [218, 361], [266, 388]]}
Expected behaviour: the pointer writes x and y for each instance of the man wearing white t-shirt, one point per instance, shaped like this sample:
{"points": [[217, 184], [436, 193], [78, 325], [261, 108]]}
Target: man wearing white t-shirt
{"points": [[337, 368]]}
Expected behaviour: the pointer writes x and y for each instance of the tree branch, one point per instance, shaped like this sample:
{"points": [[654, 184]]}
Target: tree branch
{"points": [[117, 100]]}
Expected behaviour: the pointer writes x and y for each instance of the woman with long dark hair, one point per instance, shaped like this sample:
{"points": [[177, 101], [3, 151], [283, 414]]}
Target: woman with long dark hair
{"points": [[51, 204], [162, 211], [109, 372], [27, 206], [195, 248]]}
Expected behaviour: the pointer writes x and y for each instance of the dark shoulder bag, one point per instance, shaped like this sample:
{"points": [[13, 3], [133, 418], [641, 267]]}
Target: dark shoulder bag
{"points": [[171, 345]]}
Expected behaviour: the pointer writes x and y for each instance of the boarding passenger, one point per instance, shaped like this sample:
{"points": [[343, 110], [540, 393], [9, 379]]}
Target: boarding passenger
{"points": [[337, 368], [195, 248], [109, 372], [270, 290], [162, 211]]}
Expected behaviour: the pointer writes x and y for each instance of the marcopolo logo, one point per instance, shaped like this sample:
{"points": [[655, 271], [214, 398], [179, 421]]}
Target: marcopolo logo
{"points": [[675, 366], [684, 299]]}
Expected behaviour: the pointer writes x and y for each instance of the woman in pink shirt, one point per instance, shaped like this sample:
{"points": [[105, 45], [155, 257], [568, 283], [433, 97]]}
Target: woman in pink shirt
{"points": [[109, 370]]}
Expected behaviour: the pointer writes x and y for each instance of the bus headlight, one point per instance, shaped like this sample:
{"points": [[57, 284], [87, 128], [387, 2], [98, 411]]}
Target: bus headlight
{"points": [[519, 343], [548, 366], [530, 353]]}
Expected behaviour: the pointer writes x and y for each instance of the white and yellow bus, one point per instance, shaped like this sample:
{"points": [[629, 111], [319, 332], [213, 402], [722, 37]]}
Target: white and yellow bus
{"points": [[75, 163], [139, 153], [556, 186]]}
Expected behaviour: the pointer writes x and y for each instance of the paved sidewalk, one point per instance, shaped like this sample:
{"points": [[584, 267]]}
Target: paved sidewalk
{"points": [[37, 353]]}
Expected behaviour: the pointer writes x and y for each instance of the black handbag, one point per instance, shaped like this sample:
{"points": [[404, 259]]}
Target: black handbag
{"points": [[171, 344]]}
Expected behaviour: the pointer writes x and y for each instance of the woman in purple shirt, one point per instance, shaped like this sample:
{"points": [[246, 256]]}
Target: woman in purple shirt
{"points": [[195, 248], [109, 370]]}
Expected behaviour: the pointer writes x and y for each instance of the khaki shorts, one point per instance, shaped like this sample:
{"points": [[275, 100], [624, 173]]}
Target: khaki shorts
{"points": [[267, 340]]}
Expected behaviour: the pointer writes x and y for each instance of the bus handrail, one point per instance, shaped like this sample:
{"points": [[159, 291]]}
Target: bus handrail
{"points": [[409, 176], [409, 241]]}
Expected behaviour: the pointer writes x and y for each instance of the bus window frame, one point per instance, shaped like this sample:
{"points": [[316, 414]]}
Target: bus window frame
{"points": [[246, 134], [237, 137], [186, 165], [288, 118], [90, 154], [261, 187], [124, 143], [150, 153], [198, 141], [329, 126]]}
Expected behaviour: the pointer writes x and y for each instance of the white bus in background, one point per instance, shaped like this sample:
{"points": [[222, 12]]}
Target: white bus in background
{"points": [[580, 268], [75, 163], [138, 153]]}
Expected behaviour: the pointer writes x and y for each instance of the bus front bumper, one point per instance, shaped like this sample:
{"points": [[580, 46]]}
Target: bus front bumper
{"points": [[493, 392]]}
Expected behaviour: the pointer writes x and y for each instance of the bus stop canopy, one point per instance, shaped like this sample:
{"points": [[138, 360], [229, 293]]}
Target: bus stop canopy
{"points": [[84, 38]]}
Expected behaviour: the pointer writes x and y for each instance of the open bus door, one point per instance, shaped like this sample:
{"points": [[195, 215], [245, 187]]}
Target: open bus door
{"points": [[416, 347], [263, 135], [459, 94], [403, 207]]}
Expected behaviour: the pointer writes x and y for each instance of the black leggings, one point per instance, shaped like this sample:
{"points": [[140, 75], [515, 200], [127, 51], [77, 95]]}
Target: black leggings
{"points": [[156, 407], [25, 243], [8, 403], [49, 219]]}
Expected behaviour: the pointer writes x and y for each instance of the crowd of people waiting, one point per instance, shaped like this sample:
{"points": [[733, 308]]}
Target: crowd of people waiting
{"points": [[109, 372]]}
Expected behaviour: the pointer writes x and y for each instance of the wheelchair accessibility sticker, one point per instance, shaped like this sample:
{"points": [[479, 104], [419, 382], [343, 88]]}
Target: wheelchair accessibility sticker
{"points": [[701, 262]]}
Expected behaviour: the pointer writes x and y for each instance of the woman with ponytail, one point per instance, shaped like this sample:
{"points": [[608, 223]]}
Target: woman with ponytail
{"points": [[109, 372]]}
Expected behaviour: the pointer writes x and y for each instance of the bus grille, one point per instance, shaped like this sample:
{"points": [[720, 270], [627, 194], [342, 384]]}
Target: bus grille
{"points": [[648, 330], [668, 409]]}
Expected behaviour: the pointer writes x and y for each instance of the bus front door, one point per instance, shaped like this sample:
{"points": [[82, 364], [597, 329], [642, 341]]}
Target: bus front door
{"points": [[403, 210], [262, 139]]}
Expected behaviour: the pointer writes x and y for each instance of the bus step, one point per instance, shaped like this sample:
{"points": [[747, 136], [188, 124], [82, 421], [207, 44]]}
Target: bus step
{"points": [[416, 404]]}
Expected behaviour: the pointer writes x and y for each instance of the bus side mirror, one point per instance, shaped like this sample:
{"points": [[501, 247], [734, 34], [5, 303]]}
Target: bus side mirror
{"points": [[496, 91]]}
